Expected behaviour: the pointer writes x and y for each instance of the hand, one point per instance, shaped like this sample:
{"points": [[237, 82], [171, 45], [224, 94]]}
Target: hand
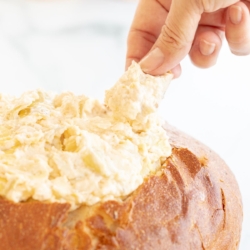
{"points": [[161, 37]]}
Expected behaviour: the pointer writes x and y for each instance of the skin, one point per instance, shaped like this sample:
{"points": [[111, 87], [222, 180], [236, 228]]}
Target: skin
{"points": [[161, 37]]}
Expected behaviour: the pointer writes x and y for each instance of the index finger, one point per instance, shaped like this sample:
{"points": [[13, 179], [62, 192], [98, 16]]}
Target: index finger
{"points": [[145, 29]]}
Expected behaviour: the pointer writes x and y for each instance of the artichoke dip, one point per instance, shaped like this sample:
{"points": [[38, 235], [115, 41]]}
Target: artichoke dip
{"points": [[68, 148]]}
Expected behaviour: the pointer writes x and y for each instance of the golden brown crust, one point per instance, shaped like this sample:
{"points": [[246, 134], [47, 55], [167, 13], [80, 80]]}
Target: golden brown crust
{"points": [[194, 203], [31, 225]]}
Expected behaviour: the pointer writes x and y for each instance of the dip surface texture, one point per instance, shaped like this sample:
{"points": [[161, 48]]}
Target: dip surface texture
{"points": [[73, 149]]}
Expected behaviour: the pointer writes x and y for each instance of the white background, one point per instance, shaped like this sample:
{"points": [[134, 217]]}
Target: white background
{"points": [[80, 46]]}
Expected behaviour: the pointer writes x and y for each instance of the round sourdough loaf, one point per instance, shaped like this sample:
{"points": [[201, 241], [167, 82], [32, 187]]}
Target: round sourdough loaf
{"points": [[193, 203]]}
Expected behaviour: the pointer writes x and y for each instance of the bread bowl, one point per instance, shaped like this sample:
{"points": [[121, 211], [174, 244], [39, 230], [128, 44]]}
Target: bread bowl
{"points": [[190, 201]]}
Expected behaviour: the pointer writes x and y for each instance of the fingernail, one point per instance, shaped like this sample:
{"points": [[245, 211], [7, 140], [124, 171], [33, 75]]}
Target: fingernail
{"points": [[235, 14], [206, 48], [152, 60]]}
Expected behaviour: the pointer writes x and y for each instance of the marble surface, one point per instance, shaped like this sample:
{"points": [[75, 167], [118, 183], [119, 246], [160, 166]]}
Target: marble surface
{"points": [[80, 46]]}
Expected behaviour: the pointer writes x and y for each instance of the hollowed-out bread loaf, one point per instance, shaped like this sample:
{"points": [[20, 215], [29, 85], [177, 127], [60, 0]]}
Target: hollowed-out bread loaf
{"points": [[192, 202]]}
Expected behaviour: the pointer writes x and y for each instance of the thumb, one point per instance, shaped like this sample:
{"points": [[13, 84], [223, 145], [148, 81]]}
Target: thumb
{"points": [[176, 37]]}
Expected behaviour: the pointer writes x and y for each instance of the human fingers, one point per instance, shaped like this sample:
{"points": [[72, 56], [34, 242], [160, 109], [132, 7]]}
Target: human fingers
{"points": [[145, 29], [237, 28], [206, 46], [176, 71], [175, 39]]}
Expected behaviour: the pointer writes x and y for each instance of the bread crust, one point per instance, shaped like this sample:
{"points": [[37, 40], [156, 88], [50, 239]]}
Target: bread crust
{"points": [[193, 202]]}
